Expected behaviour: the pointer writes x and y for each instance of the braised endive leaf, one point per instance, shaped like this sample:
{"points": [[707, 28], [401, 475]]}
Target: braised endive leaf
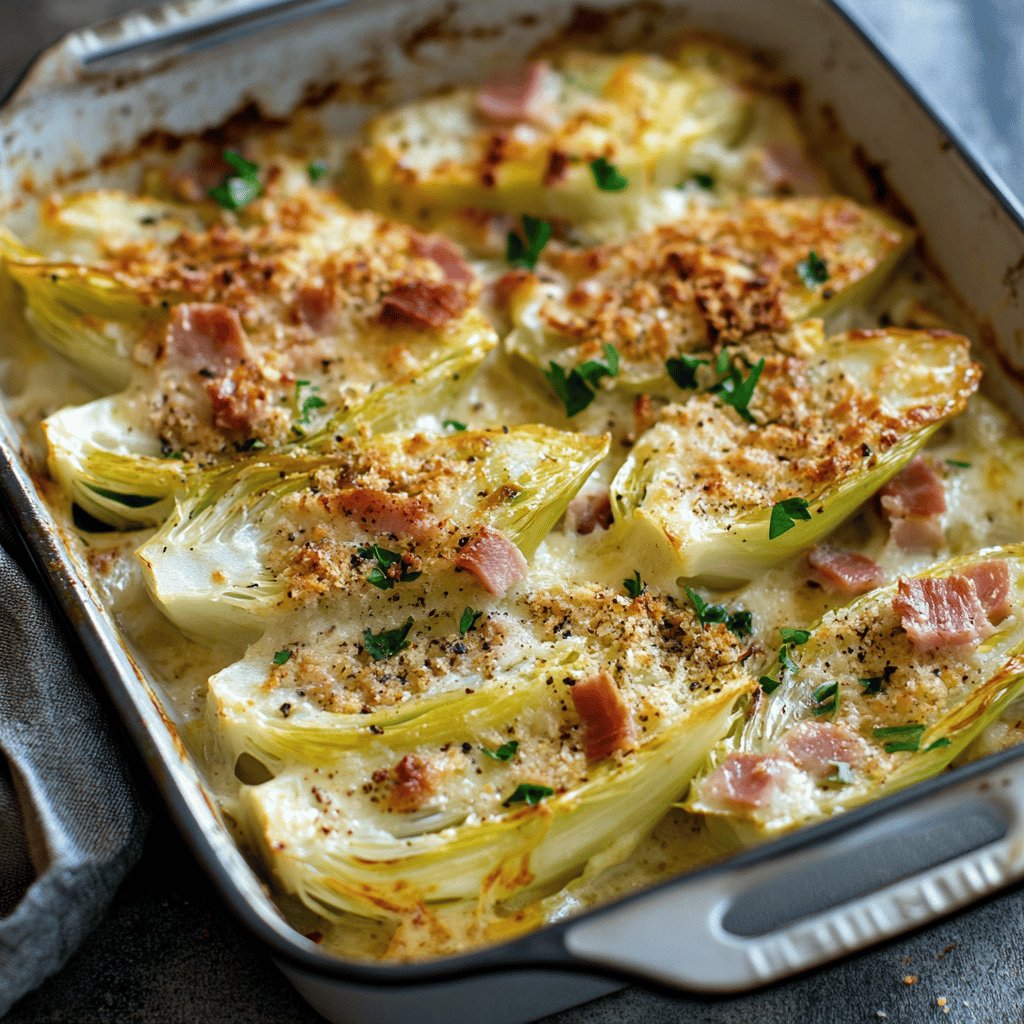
{"points": [[727, 274], [441, 813], [270, 534], [773, 772], [705, 495]]}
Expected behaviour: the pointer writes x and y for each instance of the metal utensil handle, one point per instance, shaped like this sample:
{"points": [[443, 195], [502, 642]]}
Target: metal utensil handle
{"points": [[167, 31], [680, 935]]}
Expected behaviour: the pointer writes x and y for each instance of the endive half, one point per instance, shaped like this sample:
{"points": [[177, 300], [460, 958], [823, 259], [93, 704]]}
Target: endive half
{"points": [[716, 277], [657, 120], [856, 711], [695, 498], [282, 531], [420, 812], [109, 459]]}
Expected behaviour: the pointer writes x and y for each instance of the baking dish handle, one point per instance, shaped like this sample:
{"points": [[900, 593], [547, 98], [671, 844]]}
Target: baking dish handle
{"points": [[819, 899]]}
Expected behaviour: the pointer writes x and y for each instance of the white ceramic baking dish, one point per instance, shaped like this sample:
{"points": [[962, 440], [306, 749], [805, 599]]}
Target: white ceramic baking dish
{"points": [[786, 907]]}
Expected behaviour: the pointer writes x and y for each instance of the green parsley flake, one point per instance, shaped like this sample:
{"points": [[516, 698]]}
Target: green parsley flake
{"points": [[736, 390], [634, 585], [740, 622], [958, 463], [388, 642], [942, 741], [795, 636], [390, 568], [813, 270], [523, 250], [456, 425], [304, 405], [683, 370], [785, 513], [900, 737], [282, 656], [704, 181], [768, 684], [468, 620], [528, 793], [503, 753], [237, 190], [826, 699], [607, 176], [578, 388], [316, 170]]}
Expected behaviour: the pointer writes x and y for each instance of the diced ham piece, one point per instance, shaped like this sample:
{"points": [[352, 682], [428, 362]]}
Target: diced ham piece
{"points": [[239, 400], [317, 306], [787, 167], [916, 491], [494, 560], [445, 254], [917, 534], [604, 715], [205, 336], [513, 95], [914, 502], [844, 572], [419, 304], [816, 747], [743, 780], [381, 512], [992, 582], [413, 783], [938, 613], [588, 512]]}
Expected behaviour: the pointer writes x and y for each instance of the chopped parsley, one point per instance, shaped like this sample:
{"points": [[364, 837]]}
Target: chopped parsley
{"points": [[390, 568], [503, 753], [842, 774], [634, 585], [734, 389], [740, 622], [237, 190], [305, 404], [958, 463], [387, 642], [786, 659], [523, 250], [768, 684], [468, 620], [900, 737], [456, 425], [180, 456], [704, 181], [785, 513], [873, 685], [795, 636], [578, 388], [608, 176], [280, 657], [942, 741], [813, 270], [528, 793], [791, 638], [252, 444], [683, 370], [826, 699], [316, 170]]}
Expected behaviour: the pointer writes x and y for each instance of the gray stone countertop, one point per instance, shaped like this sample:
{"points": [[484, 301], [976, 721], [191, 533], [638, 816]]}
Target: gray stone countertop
{"points": [[169, 952]]}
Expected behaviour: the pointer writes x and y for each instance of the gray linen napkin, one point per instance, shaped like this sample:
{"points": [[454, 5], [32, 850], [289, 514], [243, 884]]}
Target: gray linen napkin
{"points": [[70, 822]]}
